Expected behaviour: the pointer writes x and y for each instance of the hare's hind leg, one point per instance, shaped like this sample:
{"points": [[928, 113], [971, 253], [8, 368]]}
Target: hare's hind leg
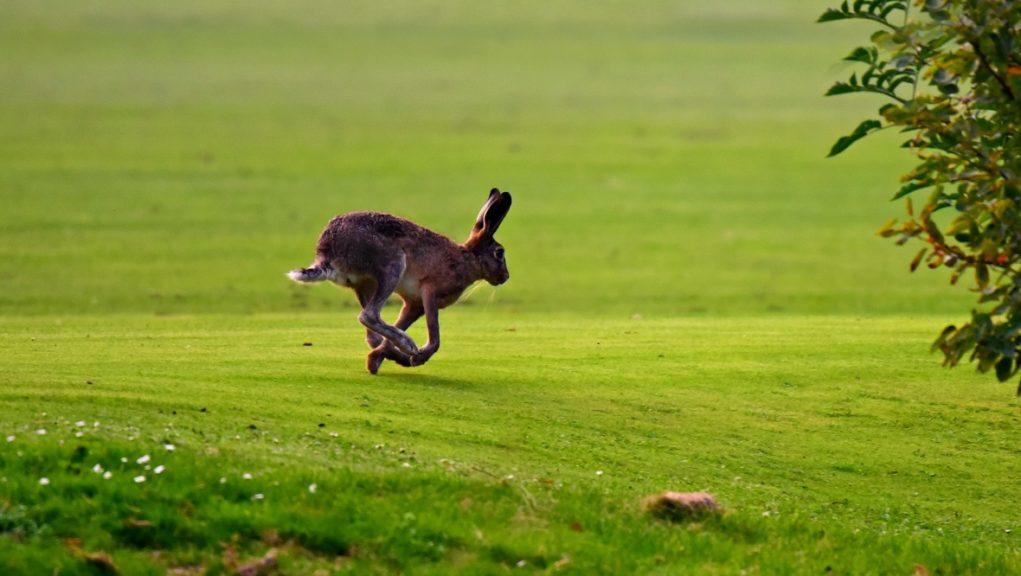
{"points": [[381, 348], [384, 350], [386, 281], [364, 293]]}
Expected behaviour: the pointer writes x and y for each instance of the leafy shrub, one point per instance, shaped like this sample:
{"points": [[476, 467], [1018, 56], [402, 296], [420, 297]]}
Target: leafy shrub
{"points": [[950, 71]]}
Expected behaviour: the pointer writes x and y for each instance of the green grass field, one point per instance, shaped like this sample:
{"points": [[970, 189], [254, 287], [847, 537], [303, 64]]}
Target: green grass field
{"points": [[698, 300]]}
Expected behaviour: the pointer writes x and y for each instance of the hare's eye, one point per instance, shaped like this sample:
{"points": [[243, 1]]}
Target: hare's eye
{"points": [[499, 253]]}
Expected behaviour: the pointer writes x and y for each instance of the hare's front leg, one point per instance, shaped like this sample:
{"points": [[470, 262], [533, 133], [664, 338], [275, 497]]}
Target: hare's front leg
{"points": [[432, 319], [383, 350], [386, 281]]}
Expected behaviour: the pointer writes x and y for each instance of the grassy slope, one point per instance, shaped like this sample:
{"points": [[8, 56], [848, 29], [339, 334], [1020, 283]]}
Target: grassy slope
{"points": [[858, 449], [161, 166]]}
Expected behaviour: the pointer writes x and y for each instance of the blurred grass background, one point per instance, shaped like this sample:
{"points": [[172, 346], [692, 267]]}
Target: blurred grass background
{"points": [[666, 157]]}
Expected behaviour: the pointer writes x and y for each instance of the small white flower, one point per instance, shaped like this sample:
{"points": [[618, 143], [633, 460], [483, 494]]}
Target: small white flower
{"points": [[406, 465], [79, 423], [599, 472], [139, 479], [766, 514], [312, 488], [124, 459], [521, 564], [169, 447], [143, 459], [258, 496], [107, 475], [246, 476], [334, 435], [223, 479], [159, 469], [95, 424], [79, 434], [98, 468], [41, 431], [44, 481], [508, 477], [10, 438]]}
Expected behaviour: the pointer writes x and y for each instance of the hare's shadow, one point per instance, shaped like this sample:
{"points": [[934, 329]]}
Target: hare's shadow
{"points": [[419, 379]]}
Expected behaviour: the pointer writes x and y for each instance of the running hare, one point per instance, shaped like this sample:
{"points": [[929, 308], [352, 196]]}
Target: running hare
{"points": [[378, 254]]}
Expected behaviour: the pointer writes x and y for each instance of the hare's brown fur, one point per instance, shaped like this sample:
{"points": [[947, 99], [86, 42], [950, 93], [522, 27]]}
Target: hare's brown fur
{"points": [[378, 254]]}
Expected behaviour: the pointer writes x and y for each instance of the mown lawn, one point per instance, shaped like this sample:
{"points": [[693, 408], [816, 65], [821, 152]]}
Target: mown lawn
{"points": [[698, 300], [831, 442]]}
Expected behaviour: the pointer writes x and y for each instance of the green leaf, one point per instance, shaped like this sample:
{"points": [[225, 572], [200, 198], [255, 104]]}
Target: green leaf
{"points": [[911, 187], [842, 88], [1004, 369], [938, 344], [863, 130], [861, 54], [832, 15], [887, 230], [949, 89], [891, 7], [887, 108], [918, 259], [981, 274], [862, 10]]}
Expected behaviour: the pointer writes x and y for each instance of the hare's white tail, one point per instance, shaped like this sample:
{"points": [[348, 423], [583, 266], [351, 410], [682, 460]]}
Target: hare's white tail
{"points": [[316, 273]]}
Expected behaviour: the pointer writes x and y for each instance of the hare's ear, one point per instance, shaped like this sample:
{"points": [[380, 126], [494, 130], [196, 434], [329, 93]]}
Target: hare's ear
{"points": [[492, 213]]}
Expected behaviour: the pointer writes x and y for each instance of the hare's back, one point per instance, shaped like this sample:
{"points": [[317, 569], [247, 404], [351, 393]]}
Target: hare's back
{"points": [[365, 241]]}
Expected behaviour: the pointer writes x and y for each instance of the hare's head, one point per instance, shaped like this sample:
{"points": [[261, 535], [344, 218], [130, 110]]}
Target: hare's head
{"points": [[481, 242]]}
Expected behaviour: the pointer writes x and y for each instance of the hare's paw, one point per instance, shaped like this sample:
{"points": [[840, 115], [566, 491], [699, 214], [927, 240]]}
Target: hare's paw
{"points": [[374, 360], [387, 351], [405, 344], [423, 355]]}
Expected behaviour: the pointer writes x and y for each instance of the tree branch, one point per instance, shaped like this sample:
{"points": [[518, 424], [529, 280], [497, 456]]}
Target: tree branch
{"points": [[989, 67]]}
